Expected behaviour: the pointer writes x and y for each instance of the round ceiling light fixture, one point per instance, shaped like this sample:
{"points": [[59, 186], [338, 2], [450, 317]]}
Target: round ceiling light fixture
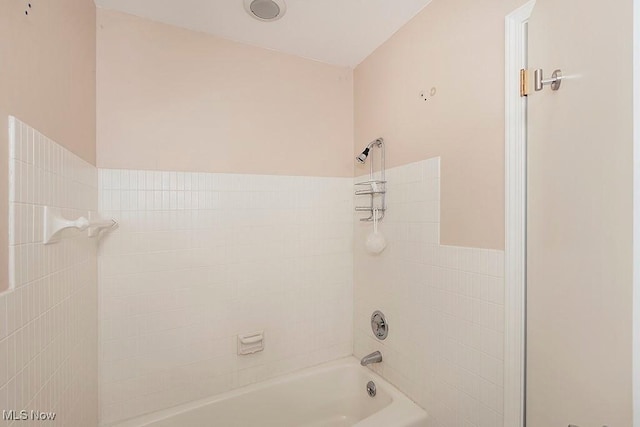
{"points": [[265, 10]]}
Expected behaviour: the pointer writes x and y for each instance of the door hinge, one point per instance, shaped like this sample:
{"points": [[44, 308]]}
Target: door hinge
{"points": [[524, 82]]}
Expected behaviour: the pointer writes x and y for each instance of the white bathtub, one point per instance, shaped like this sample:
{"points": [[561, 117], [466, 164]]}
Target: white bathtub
{"points": [[329, 395]]}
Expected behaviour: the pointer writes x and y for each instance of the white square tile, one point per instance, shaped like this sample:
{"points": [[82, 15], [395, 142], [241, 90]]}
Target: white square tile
{"points": [[53, 287], [457, 323], [179, 281]]}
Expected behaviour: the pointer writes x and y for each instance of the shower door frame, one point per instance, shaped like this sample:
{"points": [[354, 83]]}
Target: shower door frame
{"points": [[515, 218], [636, 215]]}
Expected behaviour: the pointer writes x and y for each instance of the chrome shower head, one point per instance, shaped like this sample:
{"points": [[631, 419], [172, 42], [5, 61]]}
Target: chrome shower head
{"points": [[363, 156]]}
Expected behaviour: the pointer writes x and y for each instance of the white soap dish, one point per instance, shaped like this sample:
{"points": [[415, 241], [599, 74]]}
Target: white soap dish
{"points": [[250, 343]]}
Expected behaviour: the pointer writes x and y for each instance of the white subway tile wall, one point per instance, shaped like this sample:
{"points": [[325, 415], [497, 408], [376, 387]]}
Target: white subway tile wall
{"points": [[202, 257], [48, 318], [444, 305]]}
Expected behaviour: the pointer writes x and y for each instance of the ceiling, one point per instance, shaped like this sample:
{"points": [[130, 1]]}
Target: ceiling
{"points": [[341, 32]]}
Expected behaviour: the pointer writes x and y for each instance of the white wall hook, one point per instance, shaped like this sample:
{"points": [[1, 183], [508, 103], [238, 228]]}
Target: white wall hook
{"points": [[55, 224], [540, 82], [98, 225]]}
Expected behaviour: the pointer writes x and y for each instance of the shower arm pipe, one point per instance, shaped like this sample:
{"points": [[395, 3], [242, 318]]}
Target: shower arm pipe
{"points": [[379, 142]]}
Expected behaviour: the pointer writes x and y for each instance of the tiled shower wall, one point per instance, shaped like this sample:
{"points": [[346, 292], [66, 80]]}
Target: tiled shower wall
{"points": [[444, 305], [48, 320], [200, 258]]}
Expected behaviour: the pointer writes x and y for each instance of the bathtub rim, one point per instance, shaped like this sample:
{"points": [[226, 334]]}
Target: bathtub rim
{"points": [[400, 402]]}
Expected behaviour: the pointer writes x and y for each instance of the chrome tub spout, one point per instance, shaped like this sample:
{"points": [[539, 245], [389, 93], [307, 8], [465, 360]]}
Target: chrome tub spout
{"points": [[375, 357]]}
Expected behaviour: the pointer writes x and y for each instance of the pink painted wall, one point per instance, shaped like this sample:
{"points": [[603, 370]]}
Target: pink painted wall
{"points": [[456, 46], [580, 218], [47, 79], [174, 99]]}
